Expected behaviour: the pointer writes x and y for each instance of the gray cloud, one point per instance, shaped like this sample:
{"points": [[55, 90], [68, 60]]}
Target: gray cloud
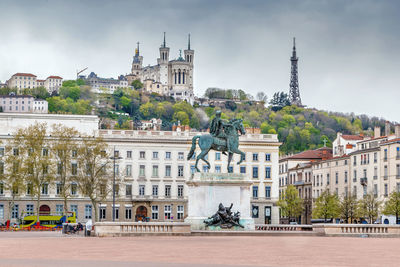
{"points": [[348, 50]]}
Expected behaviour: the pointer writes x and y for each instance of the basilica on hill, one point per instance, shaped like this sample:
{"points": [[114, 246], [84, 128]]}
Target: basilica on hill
{"points": [[172, 77]]}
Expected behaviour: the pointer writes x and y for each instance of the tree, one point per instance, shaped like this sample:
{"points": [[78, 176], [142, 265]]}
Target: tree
{"points": [[137, 84], [93, 176], [64, 147], [279, 100], [11, 177], [291, 204], [369, 207], [147, 109], [261, 96], [35, 162], [182, 117], [326, 206], [70, 92], [392, 205], [348, 208]]}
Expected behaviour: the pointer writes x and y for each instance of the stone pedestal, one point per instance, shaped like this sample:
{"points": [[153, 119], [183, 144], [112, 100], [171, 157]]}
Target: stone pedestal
{"points": [[207, 190]]}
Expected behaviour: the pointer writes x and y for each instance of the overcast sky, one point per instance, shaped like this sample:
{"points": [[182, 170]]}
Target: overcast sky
{"points": [[349, 51]]}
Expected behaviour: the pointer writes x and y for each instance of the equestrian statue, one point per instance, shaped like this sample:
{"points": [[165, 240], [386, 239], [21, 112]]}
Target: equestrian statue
{"points": [[224, 137]]}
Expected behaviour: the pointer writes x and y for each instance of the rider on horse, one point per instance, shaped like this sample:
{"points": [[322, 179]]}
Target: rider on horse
{"points": [[217, 129]]}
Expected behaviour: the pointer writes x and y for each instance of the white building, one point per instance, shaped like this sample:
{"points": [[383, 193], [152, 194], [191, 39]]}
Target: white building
{"points": [[154, 170], [53, 83], [40, 106], [29, 81], [169, 77], [22, 104]]}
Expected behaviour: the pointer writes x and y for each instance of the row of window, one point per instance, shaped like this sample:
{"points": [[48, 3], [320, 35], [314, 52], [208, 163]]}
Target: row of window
{"points": [[74, 190], [267, 191], [154, 212]]}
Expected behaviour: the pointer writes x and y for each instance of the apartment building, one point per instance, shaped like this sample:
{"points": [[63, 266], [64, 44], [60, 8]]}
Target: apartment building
{"points": [[29, 81]]}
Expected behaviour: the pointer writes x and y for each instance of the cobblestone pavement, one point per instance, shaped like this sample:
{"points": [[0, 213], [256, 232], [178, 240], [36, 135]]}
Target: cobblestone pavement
{"points": [[53, 249]]}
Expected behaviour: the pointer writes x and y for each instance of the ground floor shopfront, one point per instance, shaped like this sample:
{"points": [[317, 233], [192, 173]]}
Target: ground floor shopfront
{"points": [[264, 212], [125, 210]]}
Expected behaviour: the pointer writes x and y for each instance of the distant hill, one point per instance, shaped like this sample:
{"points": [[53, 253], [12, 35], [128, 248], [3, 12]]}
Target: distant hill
{"points": [[299, 128]]}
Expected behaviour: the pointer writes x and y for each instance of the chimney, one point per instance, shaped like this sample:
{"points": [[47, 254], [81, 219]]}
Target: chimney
{"points": [[397, 130], [377, 132], [387, 128]]}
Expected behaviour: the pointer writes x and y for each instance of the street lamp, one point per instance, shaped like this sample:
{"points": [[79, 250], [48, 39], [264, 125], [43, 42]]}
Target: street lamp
{"points": [[113, 207]]}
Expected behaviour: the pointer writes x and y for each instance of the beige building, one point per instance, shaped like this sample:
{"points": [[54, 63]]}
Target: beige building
{"points": [[29, 81], [153, 169], [22, 81]]}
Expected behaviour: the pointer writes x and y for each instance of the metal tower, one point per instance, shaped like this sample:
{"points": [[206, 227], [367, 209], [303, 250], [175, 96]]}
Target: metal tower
{"points": [[294, 93]]}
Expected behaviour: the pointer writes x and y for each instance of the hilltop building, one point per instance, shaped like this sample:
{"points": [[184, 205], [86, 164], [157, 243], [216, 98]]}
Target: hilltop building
{"points": [[29, 81], [22, 104], [109, 85], [168, 77]]}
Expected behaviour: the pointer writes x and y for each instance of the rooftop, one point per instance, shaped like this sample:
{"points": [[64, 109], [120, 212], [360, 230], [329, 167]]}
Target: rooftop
{"points": [[352, 137], [320, 153], [24, 74]]}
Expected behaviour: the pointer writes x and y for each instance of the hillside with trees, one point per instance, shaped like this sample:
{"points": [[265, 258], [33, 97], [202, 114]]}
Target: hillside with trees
{"points": [[299, 128]]}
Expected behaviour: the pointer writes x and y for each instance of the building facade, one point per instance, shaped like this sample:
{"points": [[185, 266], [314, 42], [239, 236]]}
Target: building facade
{"points": [[22, 104], [153, 171], [105, 85], [168, 77], [29, 81]]}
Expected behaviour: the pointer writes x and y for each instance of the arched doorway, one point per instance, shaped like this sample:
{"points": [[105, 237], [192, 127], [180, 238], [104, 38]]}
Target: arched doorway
{"points": [[141, 213], [44, 210]]}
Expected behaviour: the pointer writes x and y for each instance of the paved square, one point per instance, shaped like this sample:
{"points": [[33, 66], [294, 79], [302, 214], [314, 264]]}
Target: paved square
{"points": [[53, 249]]}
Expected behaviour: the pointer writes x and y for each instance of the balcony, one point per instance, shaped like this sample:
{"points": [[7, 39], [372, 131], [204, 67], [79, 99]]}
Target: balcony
{"points": [[363, 181], [375, 177], [385, 177]]}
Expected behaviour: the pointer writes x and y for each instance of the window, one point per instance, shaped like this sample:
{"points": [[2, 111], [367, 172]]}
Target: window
{"points": [[345, 176], [128, 154], [267, 157], [327, 179], [142, 170], [397, 170], [167, 190], [45, 189], [1, 211], [142, 154], [386, 190], [128, 213], [192, 169], [268, 172], [129, 170], [155, 171], [1, 151], [168, 171], [74, 153], [355, 176], [385, 172], [155, 190], [217, 155], [168, 155], [385, 154], [336, 178], [254, 211], [116, 169], [15, 152], [180, 155], [59, 209], [255, 172], [58, 189], [398, 187], [15, 211], [217, 168], [268, 192], [154, 212], [74, 169], [180, 171], [180, 212], [375, 190], [74, 189], [255, 191], [74, 208], [205, 168], [128, 190], [242, 169], [155, 155], [102, 213], [29, 209], [141, 190], [230, 169], [255, 156], [375, 173], [167, 212], [116, 210], [45, 152], [355, 160], [180, 190], [375, 157]]}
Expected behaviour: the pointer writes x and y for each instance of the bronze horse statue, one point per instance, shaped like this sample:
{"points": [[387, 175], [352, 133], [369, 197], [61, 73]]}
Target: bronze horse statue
{"points": [[229, 144]]}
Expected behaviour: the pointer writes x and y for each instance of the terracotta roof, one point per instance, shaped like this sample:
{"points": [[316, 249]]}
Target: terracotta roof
{"points": [[40, 81], [24, 74], [320, 153], [391, 141], [54, 77], [352, 137]]}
